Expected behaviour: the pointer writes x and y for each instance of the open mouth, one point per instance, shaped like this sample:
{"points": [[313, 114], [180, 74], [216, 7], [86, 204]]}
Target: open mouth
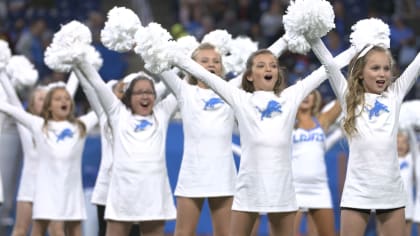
{"points": [[380, 82], [64, 107], [268, 77], [212, 71], [144, 104]]}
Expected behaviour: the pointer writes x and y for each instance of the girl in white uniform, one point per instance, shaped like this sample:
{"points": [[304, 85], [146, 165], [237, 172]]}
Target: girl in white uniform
{"points": [[100, 191], [405, 159], [207, 168], [309, 169], [266, 114], [139, 190], [371, 104], [59, 139], [30, 158]]}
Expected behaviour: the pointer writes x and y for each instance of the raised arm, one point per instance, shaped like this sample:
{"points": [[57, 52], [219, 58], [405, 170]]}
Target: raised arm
{"points": [[72, 84], [90, 92], [9, 90], [226, 91], [106, 97], [330, 116], [337, 79], [20, 115], [172, 81], [408, 78], [90, 120]]}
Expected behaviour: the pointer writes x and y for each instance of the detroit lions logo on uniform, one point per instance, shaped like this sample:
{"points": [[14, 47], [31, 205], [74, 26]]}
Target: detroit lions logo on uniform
{"points": [[309, 137], [403, 165], [142, 125], [65, 133], [272, 106], [211, 103], [377, 108]]}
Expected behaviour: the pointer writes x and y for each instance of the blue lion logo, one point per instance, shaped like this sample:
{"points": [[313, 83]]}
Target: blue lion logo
{"points": [[211, 103], [377, 108], [142, 125], [403, 165], [272, 106], [66, 133]]}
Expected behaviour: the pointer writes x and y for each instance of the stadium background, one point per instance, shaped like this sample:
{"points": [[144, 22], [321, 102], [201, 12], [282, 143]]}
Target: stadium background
{"points": [[28, 26]]}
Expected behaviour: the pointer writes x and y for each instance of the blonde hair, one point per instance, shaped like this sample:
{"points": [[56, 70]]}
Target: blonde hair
{"points": [[204, 46], [47, 115], [356, 91], [248, 85]]}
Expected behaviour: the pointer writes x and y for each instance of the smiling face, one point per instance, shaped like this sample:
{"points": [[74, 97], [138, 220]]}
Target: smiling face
{"points": [[264, 73], [376, 74], [59, 104], [142, 97]]}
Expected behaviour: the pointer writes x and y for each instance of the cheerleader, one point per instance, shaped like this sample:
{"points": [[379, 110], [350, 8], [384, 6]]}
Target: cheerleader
{"points": [[59, 139], [309, 169], [139, 189], [371, 102], [30, 156], [100, 191], [207, 169]]}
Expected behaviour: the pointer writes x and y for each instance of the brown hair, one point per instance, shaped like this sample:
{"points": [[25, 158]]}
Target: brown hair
{"points": [[204, 46], [46, 113], [126, 99], [355, 95], [248, 85]]}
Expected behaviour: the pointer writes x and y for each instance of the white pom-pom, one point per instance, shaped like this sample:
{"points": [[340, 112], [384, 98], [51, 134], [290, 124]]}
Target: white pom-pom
{"points": [[297, 43], [187, 44], [93, 57], [68, 44], [311, 18], [21, 71], [120, 28], [242, 48], [73, 33], [221, 39], [5, 53], [155, 45], [370, 31]]}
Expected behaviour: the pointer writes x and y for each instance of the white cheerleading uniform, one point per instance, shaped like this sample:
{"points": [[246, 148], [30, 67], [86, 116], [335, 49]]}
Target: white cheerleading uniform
{"points": [[10, 158], [30, 157], [208, 167], [100, 191], [58, 189], [309, 168], [139, 188], [407, 171], [373, 179], [30, 165], [264, 182], [414, 150]]}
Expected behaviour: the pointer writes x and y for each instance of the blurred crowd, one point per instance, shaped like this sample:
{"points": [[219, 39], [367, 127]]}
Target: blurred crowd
{"points": [[262, 20], [29, 26]]}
